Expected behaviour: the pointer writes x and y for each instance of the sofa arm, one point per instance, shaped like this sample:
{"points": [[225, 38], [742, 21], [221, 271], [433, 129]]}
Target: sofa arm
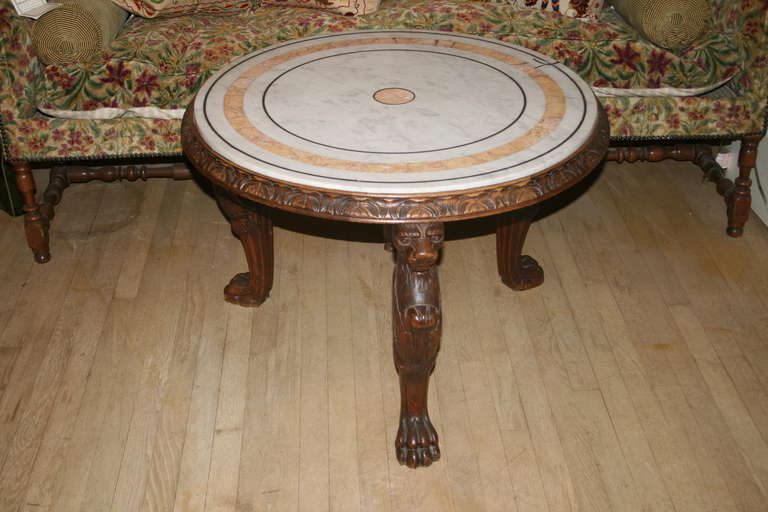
{"points": [[746, 22], [19, 66], [752, 39]]}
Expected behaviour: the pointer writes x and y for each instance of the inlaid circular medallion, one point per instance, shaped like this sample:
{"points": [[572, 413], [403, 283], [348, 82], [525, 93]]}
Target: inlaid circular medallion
{"points": [[395, 112], [394, 96]]}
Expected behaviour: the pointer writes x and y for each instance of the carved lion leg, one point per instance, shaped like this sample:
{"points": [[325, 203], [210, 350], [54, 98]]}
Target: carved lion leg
{"points": [[417, 325], [740, 197], [253, 226], [518, 271], [35, 223]]}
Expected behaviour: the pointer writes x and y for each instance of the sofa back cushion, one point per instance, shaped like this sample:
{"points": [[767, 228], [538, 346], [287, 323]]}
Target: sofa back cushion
{"points": [[167, 8], [345, 7], [158, 64], [589, 9]]}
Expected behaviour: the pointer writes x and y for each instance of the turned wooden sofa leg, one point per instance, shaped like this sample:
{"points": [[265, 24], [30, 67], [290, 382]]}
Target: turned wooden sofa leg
{"points": [[739, 198], [38, 216], [35, 222], [737, 194]]}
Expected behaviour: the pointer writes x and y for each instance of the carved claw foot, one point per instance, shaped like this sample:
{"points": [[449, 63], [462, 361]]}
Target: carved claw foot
{"points": [[518, 271], [416, 442], [240, 291], [528, 275], [252, 224]]}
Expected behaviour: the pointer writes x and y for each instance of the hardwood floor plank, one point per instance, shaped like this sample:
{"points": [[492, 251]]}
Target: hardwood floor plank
{"points": [[157, 369], [524, 348], [457, 439], [314, 477], [194, 466], [90, 297], [517, 435], [613, 400], [269, 469], [137, 250], [104, 406], [648, 368], [584, 282], [501, 378], [478, 265], [498, 491], [719, 394], [342, 426], [741, 338], [15, 267], [42, 359], [230, 417], [166, 453], [138, 351], [368, 349], [100, 411]]}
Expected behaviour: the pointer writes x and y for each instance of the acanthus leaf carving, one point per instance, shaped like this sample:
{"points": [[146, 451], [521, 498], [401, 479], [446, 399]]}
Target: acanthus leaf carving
{"points": [[385, 209]]}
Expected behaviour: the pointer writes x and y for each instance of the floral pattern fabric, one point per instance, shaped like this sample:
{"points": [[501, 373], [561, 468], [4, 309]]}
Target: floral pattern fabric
{"points": [[345, 7], [741, 29], [165, 8], [161, 63], [574, 8]]}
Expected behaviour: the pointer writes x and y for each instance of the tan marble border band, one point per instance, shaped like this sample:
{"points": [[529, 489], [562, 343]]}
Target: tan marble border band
{"points": [[553, 113]]}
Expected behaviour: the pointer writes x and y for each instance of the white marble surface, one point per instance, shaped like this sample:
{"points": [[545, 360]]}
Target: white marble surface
{"points": [[483, 113], [342, 88]]}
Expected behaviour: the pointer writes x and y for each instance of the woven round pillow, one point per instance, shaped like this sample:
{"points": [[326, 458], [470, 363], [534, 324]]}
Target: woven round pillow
{"points": [[77, 31], [670, 24]]}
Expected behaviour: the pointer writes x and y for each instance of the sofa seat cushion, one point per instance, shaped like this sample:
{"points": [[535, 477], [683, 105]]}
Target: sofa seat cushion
{"points": [[154, 66]]}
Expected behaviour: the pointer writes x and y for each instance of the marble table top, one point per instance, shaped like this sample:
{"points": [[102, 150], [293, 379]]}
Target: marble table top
{"points": [[396, 112]]}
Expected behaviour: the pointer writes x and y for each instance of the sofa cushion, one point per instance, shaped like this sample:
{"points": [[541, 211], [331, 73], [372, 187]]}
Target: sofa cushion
{"points": [[575, 8], [160, 63], [345, 7], [157, 8]]}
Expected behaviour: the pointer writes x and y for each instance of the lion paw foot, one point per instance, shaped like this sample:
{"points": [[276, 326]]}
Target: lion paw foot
{"points": [[417, 442], [529, 275], [240, 291]]}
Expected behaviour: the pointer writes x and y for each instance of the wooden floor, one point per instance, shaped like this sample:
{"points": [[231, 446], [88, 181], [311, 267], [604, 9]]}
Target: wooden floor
{"points": [[634, 379]]}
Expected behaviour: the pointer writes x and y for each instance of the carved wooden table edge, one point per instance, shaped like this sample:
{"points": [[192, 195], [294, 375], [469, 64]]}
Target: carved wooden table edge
{"points": [[416, 235], [383, 209]]}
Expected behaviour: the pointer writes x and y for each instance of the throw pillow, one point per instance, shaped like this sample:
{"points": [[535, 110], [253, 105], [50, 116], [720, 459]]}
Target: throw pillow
{"points": [[345, 7], [168, 8], [76, 31], [670, 24]]}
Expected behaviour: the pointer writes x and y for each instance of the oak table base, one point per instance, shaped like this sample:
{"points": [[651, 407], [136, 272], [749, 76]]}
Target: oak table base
{"points": [[416, 311]]}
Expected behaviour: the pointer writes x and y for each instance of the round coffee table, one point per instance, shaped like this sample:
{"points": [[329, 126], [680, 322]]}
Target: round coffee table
{"points": [[405, 128]]}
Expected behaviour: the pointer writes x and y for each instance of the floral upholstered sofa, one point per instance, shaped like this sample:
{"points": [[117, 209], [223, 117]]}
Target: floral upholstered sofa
{"points": [[155, 66]]}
